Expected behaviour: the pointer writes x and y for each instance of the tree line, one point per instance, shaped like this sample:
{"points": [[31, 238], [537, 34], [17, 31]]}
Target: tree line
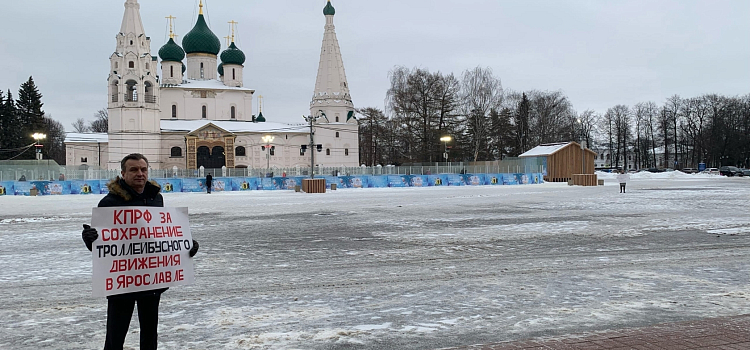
{"points": [[486, 122], [22, 117]]}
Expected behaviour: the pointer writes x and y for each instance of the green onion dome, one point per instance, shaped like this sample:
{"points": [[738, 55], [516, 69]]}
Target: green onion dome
{"points": [[171, 52], [201, 39], [221, 69], [233, 55], [329, 10], [260, 118]]}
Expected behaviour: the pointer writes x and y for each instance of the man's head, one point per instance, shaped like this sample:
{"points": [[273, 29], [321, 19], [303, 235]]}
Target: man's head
{"points": [[135, 171]]}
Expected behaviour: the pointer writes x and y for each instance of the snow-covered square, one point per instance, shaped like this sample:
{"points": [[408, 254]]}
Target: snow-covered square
{"points": [[399, 268]]}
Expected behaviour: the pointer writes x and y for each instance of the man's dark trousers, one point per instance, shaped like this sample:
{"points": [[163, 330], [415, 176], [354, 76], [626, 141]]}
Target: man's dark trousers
{"points": [[119, 312]]}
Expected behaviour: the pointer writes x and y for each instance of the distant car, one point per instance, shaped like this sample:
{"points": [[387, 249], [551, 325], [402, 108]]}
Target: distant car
{"points": [[712, 171], [689, 170], [746, 172], [655, 170], [730, 171]]}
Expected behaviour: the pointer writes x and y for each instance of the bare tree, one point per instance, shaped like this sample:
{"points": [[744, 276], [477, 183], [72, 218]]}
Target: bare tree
{"points": [[481, 93], [100, 122], [80, 126]]}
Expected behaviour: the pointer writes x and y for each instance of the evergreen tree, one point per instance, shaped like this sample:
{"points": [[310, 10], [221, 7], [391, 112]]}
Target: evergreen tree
{"points": [[522, 125], [3, 122], [10, 133], [29, 112]]}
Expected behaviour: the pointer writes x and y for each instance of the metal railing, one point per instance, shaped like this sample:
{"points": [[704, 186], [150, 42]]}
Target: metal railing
{"points": [[71, 173]]}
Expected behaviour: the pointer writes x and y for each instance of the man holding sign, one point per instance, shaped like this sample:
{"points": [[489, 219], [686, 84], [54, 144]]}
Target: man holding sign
{"points": [[141, 251]]}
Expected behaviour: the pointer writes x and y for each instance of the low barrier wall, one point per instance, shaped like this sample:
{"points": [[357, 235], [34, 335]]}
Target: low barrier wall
{"points": [[171, 185]]}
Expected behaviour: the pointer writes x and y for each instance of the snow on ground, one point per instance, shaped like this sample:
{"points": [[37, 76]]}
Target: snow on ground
{"points": [[403, 268]]}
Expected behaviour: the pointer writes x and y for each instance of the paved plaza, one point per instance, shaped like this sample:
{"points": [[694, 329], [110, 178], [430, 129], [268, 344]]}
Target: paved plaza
{"points": [[409, 269]]}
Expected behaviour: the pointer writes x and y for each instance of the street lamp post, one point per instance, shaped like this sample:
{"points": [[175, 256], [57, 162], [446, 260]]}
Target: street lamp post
{"points": [[445, 140], [583, 152], [268, 139], [38, 137]]}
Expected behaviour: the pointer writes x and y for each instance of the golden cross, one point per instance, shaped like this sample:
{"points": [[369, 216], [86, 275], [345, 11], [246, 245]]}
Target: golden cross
{"points": [[171, 18], [233, 24], [227, 37]]}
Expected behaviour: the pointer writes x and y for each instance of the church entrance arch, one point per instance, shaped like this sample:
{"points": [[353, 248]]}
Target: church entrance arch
{"points": [[207, 147], [210, 158]]}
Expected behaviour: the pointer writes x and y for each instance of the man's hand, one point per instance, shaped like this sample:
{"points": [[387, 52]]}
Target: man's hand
{"points": [[194, 249], [89, 235]]}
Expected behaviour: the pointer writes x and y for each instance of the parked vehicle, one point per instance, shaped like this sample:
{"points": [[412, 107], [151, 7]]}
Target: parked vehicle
{"points": [[730, 171], [689, 170], [746, 172], [655, 170], [712, 171]]}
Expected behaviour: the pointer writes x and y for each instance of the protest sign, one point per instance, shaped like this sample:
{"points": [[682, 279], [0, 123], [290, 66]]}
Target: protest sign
{"points": [[140, 248]]}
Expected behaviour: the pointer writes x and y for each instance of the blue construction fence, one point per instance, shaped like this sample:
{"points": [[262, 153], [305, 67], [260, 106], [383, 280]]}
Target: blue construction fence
{"points": [[171, 185]]}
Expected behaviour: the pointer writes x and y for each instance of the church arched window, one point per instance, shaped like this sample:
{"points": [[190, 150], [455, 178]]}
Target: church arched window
{"points": [[131, 64], [337, 120], [171, 71], [204, 112], [337, 134], [233, 78], [201, 70], [115, 91], [131, 91], [328, 151], [232, 112], [239, 151], [174, 111], [176, 152], [346, 151], [149, 91]]}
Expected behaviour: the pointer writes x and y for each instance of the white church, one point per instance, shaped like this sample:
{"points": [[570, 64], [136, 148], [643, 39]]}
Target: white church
{"points": [[189, 107]]}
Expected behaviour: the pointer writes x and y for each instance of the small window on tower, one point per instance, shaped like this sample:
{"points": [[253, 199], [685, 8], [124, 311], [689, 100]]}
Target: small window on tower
{"points": [[201, 70], [337, 120], [147, 66], [84, 159], [131, 42], [328, 151], [131, 64], [171, 71], [233, 78], [346, 151], [203, 112], [232, 112], [174, 111], [337, 134]]}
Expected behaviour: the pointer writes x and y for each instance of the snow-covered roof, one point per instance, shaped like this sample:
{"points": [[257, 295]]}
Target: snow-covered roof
{"points": [[232, 126], [206, 85], [74, 137], [544, 150]]}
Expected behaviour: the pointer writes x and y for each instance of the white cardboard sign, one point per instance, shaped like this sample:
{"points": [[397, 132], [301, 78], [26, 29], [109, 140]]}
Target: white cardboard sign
{"points": [[140, 248]]}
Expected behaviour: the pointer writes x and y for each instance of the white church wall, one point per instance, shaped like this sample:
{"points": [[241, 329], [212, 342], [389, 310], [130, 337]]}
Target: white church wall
{"points": [[92, 154], [194, 61], [218, 104]]}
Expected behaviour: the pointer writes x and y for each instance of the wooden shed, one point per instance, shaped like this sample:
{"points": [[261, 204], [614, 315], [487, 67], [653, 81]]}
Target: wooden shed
{"points": [[563, 160]]}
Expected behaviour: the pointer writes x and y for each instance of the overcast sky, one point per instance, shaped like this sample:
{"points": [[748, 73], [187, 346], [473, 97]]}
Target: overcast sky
{"points": [[599, 53]]}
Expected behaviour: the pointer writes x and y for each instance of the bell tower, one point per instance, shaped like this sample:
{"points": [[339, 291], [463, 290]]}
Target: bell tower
{"points": [[133, 99], [331, 94]]}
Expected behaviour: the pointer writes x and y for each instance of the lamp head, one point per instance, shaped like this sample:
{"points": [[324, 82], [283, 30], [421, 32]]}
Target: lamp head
{"points": [[446, 139]]}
